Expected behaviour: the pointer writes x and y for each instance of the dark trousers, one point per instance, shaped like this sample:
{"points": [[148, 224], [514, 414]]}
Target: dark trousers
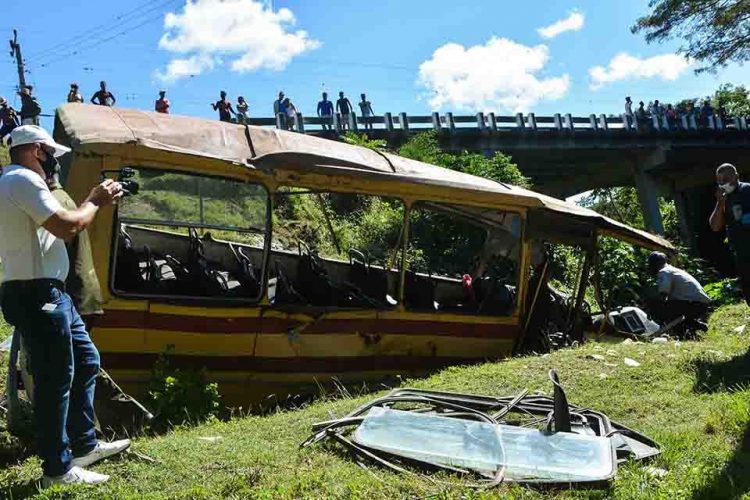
{"points": [[64, 364], [6, 129], [664, 311], [743, 273]]}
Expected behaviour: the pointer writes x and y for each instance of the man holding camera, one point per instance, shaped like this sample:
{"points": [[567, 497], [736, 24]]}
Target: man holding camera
{"points": [[64, 361], [732, 212]]}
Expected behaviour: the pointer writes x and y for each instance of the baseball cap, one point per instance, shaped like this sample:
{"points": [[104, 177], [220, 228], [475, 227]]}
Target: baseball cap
{"points": [[33, 134]]}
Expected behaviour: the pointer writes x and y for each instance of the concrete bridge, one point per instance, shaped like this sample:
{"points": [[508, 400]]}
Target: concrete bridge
{"points": [[565, 155]]}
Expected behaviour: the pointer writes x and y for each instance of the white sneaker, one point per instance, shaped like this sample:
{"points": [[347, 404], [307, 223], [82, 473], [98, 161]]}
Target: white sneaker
{"points": [[102, 451], [75, 475]]}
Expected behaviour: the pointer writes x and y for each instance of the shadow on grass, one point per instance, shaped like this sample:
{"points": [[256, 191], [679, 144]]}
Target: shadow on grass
{"points": [[713, 375], [734, 479]]}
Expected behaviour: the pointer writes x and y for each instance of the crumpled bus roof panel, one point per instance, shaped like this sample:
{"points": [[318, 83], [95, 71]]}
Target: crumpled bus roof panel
{"points": [[107, 130]]}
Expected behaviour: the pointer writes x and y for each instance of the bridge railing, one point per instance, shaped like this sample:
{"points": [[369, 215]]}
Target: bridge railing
{"points": [[489, 122]]}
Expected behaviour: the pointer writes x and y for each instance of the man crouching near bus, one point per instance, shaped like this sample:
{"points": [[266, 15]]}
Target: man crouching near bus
{"points": [[64, 361]]}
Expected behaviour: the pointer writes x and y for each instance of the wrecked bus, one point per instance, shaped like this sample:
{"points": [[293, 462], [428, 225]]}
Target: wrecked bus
{"points": [[277, 260]]}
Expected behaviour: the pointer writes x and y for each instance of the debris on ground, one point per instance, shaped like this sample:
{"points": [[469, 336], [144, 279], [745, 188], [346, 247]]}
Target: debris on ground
{"points": [[596, 357], [660, 340], [739, 329], [211, 439], [521, 438], [631, 362]]}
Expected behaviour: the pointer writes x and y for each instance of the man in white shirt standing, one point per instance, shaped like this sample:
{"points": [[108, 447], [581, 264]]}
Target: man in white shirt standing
{"points": [[680, 294], [64, 361]]}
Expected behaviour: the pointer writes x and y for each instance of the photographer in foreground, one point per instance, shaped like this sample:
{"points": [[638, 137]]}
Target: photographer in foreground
{"points": [[732, 212], [64, 361]]}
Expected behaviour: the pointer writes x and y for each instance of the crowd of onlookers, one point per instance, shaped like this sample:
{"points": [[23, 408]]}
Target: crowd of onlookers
{"points": [[644, 116], [283, 108], [703, 114]]}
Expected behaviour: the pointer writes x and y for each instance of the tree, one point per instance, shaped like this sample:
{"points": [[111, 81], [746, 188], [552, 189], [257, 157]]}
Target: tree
{"points": [[715, 32], [499, 168], [734, 100]]}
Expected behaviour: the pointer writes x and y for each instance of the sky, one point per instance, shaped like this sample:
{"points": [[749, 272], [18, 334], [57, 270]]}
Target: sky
{"points": [[414, 56]]}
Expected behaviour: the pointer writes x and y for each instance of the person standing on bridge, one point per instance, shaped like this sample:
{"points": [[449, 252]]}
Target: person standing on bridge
{"points": [[74, 95], [224, 107], [30, 108], [732, 213], [366, 111], [103, 97], [325, 110], [8, 118], [629, 112], [344, 107], [161, 105], [243, 110]]}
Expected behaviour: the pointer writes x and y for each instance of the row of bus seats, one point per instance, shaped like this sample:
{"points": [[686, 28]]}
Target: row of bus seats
{"points": [[302, 279], [143, 270], [311, 282]]}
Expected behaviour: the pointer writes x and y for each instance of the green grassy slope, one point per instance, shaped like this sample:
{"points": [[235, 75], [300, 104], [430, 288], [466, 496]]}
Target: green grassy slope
{"points": [[692, 397]]}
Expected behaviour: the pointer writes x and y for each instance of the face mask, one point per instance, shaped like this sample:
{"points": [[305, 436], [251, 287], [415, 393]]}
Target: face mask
{"points": [[727, 188], [50, 165]]}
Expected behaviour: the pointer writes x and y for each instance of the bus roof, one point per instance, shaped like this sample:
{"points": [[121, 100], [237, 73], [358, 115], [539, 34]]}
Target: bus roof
{"points": [[127, 132]]}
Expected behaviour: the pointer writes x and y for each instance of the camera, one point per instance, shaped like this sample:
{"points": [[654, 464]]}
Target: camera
{"points": [[125, 178]]}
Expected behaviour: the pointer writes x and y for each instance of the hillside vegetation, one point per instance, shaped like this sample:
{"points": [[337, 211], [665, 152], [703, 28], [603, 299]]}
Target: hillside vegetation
{"points": [[692, 397]]}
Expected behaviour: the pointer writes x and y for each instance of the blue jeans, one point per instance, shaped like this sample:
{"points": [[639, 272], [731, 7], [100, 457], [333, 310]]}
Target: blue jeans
{"points": [[64, 363]]}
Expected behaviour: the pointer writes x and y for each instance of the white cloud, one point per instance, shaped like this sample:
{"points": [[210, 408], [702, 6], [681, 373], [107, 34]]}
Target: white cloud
{"points": [[248, 34], [623, 66], [574, 22], [499, 75]]}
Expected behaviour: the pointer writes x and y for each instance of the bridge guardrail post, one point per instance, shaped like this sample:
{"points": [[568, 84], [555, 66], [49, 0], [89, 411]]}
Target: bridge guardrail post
{"points": [[519, 121], [655, 121], [493, 121], [684, 122], [531, 119], [736, 123], [436, 122], [665, 123], [711, 123], [388, 122], [280, 119], [299, 124], [743, 123], [558, 121], [603, 124], [569, 121], [450, 123], [692, 123], [352, 121], [719, 123], [404, 121], [480, 122], [337, 122], [592, 122]]}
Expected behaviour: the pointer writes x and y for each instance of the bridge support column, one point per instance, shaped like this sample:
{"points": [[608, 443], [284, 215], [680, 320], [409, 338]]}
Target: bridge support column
{"points": [[683, 217], [647, 187], [648, 196]]}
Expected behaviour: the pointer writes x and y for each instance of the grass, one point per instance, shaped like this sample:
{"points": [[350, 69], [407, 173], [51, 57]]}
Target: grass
{"points": [[692, 397]]}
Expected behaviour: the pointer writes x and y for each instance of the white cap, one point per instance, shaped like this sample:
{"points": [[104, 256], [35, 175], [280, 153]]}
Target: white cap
{"points": [[34, 134]]}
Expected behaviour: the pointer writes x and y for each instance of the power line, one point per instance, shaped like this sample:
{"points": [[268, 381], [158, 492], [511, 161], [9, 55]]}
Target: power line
{"points": [[100, 29], [100, 42]]}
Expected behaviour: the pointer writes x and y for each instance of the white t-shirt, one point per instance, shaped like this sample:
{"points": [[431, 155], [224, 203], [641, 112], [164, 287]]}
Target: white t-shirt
{"points": [[680, 285], [28, 251]]}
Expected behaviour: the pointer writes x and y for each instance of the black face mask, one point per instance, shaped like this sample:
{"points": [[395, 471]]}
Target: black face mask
{"points": [[50, 165]]}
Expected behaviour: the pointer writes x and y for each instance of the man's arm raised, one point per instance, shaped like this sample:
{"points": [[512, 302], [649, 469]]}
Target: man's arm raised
{"points": [[66, 224]]}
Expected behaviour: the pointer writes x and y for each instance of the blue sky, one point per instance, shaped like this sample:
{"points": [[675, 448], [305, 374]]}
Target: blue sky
{"points": [[483, 54]]}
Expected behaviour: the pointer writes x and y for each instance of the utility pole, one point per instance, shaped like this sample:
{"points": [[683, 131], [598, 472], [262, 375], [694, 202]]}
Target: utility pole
{"points": [[15, 51]]}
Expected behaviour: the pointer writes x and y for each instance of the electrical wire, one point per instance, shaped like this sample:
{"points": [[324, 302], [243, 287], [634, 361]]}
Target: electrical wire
{"points": [[100, 29]]}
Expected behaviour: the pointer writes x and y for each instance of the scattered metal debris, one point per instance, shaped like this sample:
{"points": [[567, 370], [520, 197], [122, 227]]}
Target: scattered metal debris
{"points": [[521, 438]]}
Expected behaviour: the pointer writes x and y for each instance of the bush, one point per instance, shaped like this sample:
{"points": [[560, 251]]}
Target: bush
{"points": [[724, 291], [178, 396]]}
